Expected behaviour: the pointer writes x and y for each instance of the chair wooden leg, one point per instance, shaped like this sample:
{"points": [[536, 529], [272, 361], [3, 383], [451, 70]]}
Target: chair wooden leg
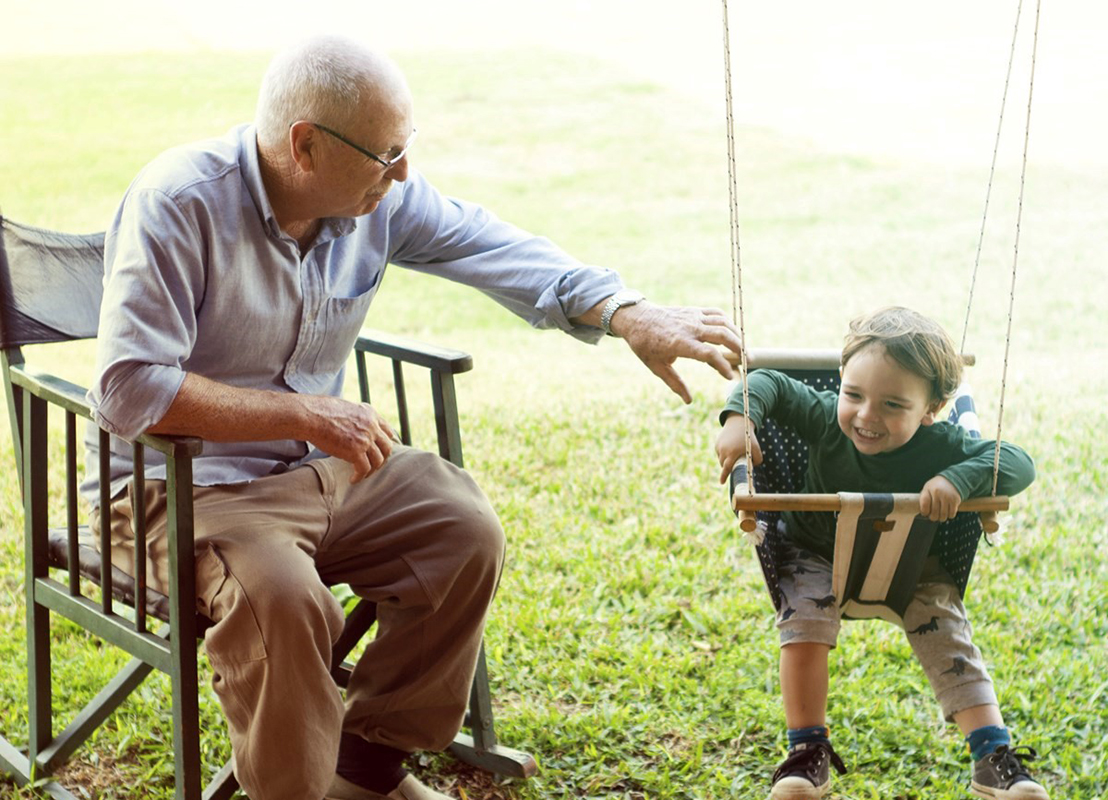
{"points": [[39, 690], [481, 749], [92, 715], [223, 785], [35, 558]]}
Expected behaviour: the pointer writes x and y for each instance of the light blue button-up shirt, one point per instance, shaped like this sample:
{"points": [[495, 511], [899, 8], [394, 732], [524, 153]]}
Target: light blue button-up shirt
{"points": [[200, 278]]}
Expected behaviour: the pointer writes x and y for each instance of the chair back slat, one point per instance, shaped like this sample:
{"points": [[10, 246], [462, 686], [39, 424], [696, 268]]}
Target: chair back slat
{"points": [[138, 521], [401, 402]]}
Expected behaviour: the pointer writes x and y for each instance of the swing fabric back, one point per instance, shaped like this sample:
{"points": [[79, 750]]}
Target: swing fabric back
{"points": [[875, 572], [51, 288]]}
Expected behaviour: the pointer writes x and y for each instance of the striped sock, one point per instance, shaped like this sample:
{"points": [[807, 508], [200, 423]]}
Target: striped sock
{"points": [[986, 740], [817, 734]]}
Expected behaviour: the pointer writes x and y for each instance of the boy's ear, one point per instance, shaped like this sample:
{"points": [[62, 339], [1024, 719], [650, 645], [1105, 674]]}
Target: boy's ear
{"points": [[932, 411]]}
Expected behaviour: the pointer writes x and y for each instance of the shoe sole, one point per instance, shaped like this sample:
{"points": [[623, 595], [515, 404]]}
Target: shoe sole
{"points": [[1003, 794], [809, 792]]}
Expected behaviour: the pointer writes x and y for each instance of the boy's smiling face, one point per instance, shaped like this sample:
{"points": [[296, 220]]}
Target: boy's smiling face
{"points": [[881, 404]]}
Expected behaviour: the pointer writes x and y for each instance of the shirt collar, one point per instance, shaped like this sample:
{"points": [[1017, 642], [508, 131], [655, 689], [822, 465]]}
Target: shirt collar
{"points": [[331, 227]]}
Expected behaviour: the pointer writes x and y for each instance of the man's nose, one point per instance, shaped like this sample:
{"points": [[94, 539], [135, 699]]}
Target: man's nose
{"points": [[399, 170]]}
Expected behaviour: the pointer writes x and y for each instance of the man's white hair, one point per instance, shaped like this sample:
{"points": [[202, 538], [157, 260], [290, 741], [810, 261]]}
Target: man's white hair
{"points": [[320, 80]]}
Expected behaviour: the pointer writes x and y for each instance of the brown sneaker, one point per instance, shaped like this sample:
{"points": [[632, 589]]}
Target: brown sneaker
{"points": [[806, 773], [1002, 775]]}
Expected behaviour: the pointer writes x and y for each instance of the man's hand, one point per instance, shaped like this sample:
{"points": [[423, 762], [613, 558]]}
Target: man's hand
{"points": [[939, 500], [211, 410], [659, 335], [731, 445], [354, 432]]}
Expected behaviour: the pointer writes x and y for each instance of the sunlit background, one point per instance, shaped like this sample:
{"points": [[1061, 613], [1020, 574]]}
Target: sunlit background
{"points": [[915, 80]]}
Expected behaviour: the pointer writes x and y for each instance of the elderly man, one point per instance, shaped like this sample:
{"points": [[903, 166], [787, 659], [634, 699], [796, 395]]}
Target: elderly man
{"points": [[239, 274]]}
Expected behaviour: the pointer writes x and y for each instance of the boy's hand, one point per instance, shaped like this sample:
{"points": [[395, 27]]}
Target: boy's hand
{"points": [[731, 445], [939, 500]]}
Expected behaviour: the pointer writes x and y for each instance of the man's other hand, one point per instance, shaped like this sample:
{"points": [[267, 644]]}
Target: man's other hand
{"points": [[354, 432]]}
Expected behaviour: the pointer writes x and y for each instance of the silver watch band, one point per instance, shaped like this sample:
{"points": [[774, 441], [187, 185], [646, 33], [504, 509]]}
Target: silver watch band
{"points": [[624, 297]]}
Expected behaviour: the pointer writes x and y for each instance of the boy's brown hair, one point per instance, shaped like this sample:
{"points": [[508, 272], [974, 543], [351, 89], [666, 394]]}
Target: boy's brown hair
{"points": [[915, 342]]}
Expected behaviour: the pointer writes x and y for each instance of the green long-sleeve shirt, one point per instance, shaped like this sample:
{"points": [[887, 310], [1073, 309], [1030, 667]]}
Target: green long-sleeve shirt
{"points": [[835, 465]]}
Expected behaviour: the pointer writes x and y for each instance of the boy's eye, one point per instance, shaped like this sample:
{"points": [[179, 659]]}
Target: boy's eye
{"points": [[891, 404], [852, 395]]}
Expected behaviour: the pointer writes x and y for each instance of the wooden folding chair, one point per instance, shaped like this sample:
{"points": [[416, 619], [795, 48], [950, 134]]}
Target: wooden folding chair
{"points": [[50, 291]]}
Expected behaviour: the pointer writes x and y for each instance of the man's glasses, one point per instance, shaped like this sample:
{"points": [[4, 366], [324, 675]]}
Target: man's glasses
{"points": [[387, 161]]}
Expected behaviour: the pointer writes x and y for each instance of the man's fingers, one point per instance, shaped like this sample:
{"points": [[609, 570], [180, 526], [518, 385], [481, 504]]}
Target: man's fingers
{"points": [[361, 468], [671, 379], [391, 432], [376, 455], [716, 359], [384, 442], [721, 332]]}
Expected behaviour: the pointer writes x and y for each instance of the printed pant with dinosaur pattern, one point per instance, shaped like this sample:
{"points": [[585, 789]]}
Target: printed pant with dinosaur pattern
{"points": [[935, 623]]}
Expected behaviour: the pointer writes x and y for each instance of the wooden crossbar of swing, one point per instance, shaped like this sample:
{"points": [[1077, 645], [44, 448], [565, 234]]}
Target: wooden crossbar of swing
{"points": [[831, 502], [745, 505], [801, 359]]}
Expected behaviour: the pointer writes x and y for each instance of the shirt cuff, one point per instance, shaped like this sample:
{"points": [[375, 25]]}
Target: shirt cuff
{"points": [[128, 401]]}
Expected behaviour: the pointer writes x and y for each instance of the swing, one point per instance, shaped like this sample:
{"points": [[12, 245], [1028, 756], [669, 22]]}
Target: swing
{"points": [[881, 540]]}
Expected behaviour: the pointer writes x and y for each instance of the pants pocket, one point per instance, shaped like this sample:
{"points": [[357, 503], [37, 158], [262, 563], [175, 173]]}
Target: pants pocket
{"points": [[236, 636]]}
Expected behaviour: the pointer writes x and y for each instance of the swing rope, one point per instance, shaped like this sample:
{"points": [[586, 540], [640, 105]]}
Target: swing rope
{"points": [[1016, 250], [736, 264], [737, 317], [992, 173]]}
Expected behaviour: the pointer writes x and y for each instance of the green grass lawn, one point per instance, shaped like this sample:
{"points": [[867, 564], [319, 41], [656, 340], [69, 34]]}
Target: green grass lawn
{"points": [[631, 645]]}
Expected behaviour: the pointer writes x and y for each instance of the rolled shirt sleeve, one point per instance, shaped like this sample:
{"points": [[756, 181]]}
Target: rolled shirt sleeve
{"points": [[148, 318]]}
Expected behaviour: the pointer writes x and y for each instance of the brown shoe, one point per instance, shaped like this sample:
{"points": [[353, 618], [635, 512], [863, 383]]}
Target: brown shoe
{"points": [[409, 789]]}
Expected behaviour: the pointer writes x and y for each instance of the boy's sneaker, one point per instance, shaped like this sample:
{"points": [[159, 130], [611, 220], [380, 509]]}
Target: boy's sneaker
{"points": [[806, 773], [1002, 775]]}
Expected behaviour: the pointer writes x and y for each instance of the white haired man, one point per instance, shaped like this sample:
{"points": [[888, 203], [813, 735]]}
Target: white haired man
{"points": [[239, 272]]}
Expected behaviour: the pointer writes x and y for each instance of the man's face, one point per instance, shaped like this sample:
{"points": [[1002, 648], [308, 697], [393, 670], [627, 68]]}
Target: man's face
{"points": [[356, 183], [881, 404]]}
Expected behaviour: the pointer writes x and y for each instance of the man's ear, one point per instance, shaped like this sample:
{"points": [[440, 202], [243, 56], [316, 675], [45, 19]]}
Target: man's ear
{"points": [[302, 143]]}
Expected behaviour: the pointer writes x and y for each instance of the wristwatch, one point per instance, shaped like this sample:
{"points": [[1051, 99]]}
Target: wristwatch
{"points": [[624, 297]]}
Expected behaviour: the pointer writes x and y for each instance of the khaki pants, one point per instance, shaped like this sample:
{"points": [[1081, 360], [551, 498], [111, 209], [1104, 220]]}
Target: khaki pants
{"points": [[417, 537]]}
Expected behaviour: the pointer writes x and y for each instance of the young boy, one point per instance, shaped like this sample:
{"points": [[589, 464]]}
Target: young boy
{"points": [[880, 434]]}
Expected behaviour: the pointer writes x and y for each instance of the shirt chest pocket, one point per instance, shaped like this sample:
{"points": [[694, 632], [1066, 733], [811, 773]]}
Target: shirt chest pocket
{"points": [[326, 342]]}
